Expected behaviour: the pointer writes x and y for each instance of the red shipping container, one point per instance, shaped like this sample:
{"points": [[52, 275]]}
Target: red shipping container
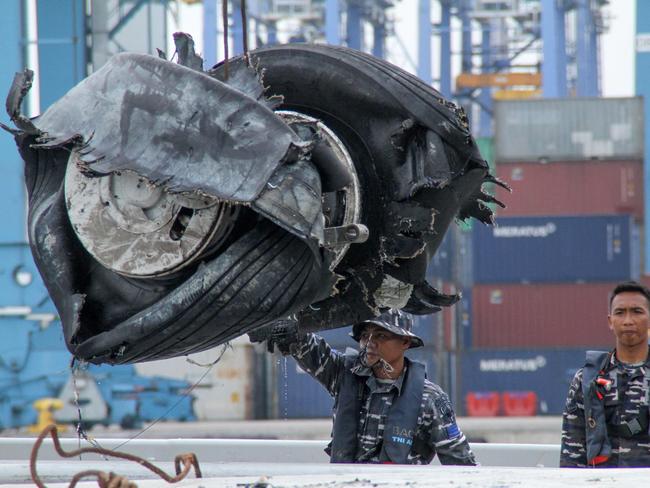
{"points": [[482, 404], [645, 280], [446, 319], [541, 315], [572, 188], [519, 403], [449, 320]]}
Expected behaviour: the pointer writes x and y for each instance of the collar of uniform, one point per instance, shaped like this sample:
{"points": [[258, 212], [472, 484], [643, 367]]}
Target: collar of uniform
{"points": [[615, 362], [360, 370]]}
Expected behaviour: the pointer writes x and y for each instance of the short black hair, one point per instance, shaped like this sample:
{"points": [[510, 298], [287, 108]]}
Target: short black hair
{"points": [[629, 286]]}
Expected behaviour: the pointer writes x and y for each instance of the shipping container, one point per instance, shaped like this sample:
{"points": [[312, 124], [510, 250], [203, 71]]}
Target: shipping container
{"points": [[644, 279], [439, 329], [464, 319], [556, 249], [572, 188], [427, 356], [435, 362], [486, 147], [441, 266], [301, 396], [568, 129], [464, 268], [224, 392], [427, 327], [452, 261], [545, 372], [541, 315], [338, 338]]}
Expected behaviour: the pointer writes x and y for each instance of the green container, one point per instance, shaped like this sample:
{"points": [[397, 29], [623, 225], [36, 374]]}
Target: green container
{"points": [[486, 146]]}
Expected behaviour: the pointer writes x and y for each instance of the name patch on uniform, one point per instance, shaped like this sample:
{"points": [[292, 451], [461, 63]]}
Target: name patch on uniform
{"points": [[402, 440], [453, 431]]}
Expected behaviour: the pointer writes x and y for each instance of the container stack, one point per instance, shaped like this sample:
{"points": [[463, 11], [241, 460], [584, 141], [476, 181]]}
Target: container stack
{"points": [[570, 232], [535, 287], [230, 390]]}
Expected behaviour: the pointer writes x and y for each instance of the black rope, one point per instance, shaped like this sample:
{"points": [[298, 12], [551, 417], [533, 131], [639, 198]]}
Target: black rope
{"points": [[182, 397], [224, 15], [244, 23]]}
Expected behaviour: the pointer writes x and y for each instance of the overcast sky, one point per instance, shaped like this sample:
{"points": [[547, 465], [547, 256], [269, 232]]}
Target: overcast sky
{"points": [[617, 49]]}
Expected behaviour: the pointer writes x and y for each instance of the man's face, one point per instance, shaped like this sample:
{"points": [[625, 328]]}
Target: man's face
{"points": [[380, 343], [629, 319]]}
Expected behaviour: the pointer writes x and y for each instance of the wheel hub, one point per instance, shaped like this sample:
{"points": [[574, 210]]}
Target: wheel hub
{"points": [[138, 229], [344, 207]]}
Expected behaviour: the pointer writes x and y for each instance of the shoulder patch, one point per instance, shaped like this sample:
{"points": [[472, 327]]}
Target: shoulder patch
{"points": [[453, 431], [444, 408]]}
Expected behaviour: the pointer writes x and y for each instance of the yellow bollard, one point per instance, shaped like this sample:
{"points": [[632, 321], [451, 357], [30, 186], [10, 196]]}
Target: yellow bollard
{"points": [[46, 408]]}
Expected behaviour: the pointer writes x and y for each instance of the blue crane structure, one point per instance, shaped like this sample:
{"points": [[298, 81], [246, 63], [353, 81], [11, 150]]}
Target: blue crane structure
{"points": [[494, 35], [642, 88], [336, 22], [537, 24], [34, 361]]}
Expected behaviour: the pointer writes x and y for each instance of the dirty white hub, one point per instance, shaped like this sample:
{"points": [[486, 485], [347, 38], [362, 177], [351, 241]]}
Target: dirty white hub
{"points": [[138, 229]]}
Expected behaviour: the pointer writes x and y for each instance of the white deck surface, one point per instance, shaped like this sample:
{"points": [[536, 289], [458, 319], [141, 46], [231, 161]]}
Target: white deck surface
{"points": [[355, 476], [246, 463]]}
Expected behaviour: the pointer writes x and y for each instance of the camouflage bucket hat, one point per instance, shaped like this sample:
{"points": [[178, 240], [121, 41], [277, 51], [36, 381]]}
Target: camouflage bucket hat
{"points": [[393, 321]]}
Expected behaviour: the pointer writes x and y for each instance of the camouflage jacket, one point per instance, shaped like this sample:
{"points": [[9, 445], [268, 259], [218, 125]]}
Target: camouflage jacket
{"points": [[437, 431], [627, 400]]}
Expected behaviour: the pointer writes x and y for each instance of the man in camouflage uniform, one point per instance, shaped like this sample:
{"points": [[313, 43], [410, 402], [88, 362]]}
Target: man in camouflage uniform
{"points": [[605, 421], [385, 410]]}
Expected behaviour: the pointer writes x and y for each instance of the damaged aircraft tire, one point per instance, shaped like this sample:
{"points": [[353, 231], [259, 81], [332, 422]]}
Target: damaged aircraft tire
{"points": [[96, 187], [417, 165], [195, 210], [264, 272]]}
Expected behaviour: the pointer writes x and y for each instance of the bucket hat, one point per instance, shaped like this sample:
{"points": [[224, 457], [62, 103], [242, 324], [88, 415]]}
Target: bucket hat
{"points": [[395, 321]]}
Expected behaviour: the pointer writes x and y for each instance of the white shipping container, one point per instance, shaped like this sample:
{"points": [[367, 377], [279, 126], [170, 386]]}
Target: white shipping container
{"points": [[225, 393], [568, 129]]}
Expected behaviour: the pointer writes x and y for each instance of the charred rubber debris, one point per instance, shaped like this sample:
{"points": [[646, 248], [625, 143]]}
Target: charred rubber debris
{"points": [[172, 209]]}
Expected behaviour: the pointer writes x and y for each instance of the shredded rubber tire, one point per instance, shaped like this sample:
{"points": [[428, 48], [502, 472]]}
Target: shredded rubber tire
{"points": [[382, 113]]}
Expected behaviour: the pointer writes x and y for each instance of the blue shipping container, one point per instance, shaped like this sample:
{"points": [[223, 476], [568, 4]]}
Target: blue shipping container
{"points": [[339, 338], [556, 249], [464, 276], [423, 326], [452, 261], [301, 396], [441, 265], [547, 372], [427, 356], [464, 318]]}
